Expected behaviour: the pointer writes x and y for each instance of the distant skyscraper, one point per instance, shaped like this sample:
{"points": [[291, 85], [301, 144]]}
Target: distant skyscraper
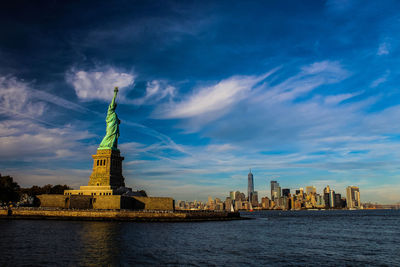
{"points": [[285, 192], [327, 189], [353, 197], [250, 186], [275, 190], [311, 190], [332, 199], [338, 201], [232, 195], [254, 199]]}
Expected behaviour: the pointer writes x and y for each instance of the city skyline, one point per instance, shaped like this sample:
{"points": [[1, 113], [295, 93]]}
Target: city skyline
{"points": [[301, 94], [280, 192], [284, 199]]}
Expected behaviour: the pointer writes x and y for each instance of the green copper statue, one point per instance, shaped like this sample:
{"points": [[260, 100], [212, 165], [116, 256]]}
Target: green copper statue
{"points": [[110, 141]]}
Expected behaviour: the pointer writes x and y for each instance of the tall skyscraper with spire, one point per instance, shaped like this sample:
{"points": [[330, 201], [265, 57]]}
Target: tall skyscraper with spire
{"points": [[250, 186]]}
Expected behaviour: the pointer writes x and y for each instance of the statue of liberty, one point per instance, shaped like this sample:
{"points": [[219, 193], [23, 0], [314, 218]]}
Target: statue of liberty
{"points": [[110, 141]]}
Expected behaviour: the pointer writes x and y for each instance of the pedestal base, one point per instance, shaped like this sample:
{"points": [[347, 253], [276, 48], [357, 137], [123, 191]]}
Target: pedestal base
{"points": [[102, 191]]}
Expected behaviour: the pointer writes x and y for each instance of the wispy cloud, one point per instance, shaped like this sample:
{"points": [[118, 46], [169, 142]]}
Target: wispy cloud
{"points": [[155, 91], [383, 49], [18, 98], [380, 80], [27, 140], [309, 78], [165, 140], [98, 84], [336, 99], [27, 133], [212, 101], [15, 97]]}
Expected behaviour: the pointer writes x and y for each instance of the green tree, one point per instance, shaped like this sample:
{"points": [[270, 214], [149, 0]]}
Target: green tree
{"points": [[59, 189], [46, 189], [9, 190]]}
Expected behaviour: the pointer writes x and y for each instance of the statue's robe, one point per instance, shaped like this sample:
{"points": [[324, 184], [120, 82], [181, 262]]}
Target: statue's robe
{"points": [[110, 141]]}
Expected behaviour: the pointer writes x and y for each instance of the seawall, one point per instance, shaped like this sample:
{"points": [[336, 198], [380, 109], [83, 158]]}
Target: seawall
{"points": [[117, 215]]}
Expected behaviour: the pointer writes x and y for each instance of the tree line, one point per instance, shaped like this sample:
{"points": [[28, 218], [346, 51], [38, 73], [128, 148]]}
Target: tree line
{"points": [[10, 191]]}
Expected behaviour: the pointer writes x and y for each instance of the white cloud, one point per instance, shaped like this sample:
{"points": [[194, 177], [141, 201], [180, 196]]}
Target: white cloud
{"points": [[325, 67], [215, 99], [18, 98], [27, 140], [61, 102], [25, 133], [96, 84], [221, 148], [380, 80], [383, 49], [15, 98], [310, 77], [155, 91], [336, 99]]}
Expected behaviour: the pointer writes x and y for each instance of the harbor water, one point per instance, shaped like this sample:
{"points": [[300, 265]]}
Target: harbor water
{"points": [[272, 238]]}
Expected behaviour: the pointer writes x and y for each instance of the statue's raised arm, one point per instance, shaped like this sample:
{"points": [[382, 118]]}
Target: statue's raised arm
{"points": [[110, 140], [113, 104]]}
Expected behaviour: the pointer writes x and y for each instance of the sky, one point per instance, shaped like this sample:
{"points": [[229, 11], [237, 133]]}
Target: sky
{"points": [[305, 93]]}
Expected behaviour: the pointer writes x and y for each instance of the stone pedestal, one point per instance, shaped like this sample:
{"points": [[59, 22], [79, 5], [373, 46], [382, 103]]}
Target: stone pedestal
{"points": [[107, 169], [106, 178]]}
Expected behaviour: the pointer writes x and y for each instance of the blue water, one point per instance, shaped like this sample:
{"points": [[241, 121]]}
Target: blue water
{"points": [[273, 238]]}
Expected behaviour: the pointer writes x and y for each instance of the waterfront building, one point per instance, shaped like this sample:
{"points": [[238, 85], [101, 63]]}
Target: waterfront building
{"points": [[338, 201], [250, 186], [286, 203], [326, 200], [353, 197], [285, 192], [313, 200], [232, 195], [320, 201], [275, 190], [292, 202], [297, 205], [327, 189], [311, 190], [299, 194], [272, 204], [240, 196], [281, 202], [210, 203], [219, 205], [332, 199], [344, 202], [237, 196], [265, 203], [238, 205], [254, 200], [228, 204]]}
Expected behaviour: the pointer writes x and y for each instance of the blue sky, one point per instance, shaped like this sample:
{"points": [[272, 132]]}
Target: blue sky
{"points": [[302, 92]]}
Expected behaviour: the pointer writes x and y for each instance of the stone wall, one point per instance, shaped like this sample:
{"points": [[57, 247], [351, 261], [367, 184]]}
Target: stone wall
{"points": [[54, 201], [154, 203], [106, 202], [80, 202], [114, 202]]}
